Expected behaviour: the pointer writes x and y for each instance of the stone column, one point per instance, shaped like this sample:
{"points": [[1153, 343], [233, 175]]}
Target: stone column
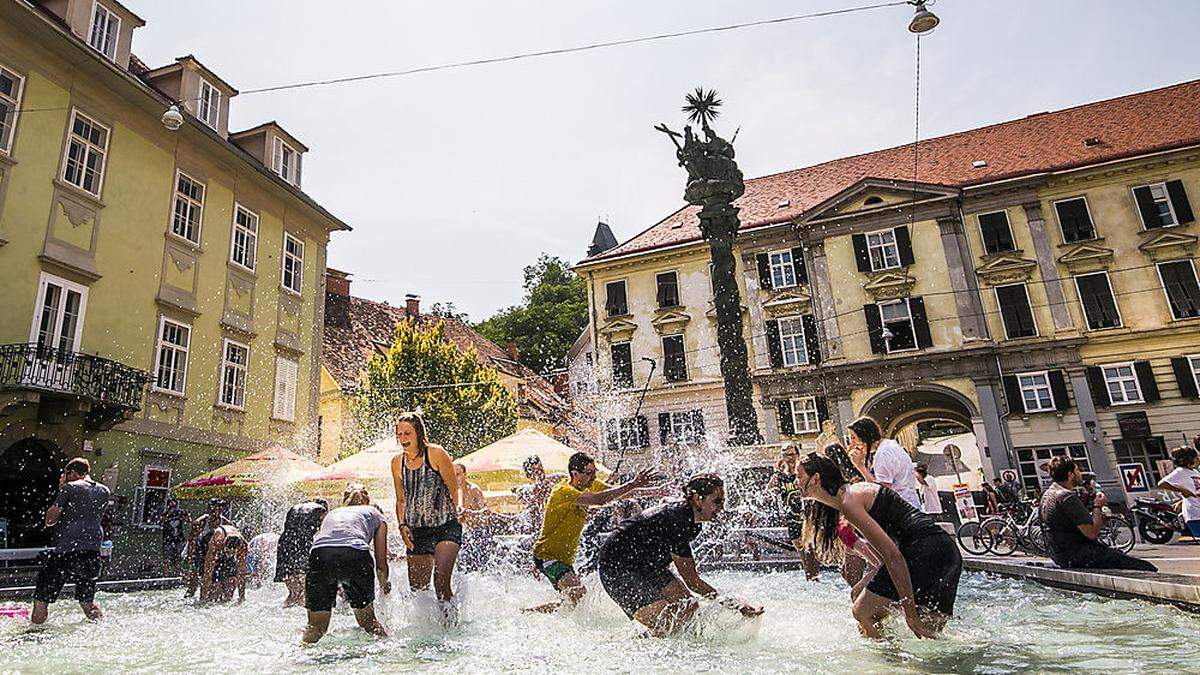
{"points": [[1097, 454], [962, 280], [770, 422], [1048, 269], [995, 449], [755, 297], [822, 301], [845, 413]]}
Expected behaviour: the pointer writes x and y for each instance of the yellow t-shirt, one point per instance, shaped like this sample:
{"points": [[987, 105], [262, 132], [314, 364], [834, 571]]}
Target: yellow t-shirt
{"points": [[563, 522]]}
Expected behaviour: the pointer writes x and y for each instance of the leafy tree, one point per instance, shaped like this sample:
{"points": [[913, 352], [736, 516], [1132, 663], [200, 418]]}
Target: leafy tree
{"points": [[447, 310], [546, 323], [416, 373]]}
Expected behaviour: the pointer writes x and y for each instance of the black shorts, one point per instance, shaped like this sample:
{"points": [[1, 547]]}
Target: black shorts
{"points": [[795, 529], [291, 558], [634, 587], [172, 551], [81, 567], [426, 539], [329, 567], [934, 565]]}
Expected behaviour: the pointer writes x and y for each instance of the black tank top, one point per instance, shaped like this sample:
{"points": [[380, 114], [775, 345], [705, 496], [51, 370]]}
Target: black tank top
{"points": [[902, 522]]}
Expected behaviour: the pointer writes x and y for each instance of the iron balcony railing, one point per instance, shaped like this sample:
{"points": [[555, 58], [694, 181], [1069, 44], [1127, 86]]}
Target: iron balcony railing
{"points": [[47, 369]]}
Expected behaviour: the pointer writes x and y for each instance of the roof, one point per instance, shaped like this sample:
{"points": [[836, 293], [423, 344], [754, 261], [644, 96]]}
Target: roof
{"points": [[179, 64], [602, 240], [356, 329], [262, 128], [1128, 126]]}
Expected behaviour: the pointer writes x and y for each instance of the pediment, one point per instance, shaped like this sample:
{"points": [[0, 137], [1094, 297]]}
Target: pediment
{"points": [[1005, 268], [889, 285], [1087, 257], [791, 301], [670, 320], [618, 327], [889, 193], [1168, 245]]}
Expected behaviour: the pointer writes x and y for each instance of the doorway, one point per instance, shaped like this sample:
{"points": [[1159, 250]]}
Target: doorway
{"points": [[29, 473]]}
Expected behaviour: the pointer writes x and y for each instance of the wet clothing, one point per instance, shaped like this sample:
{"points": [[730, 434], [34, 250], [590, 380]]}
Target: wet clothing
{"points": [[563, 522], [80, 567], [426, 539], [174, 535], [635, 561], [207, 524], [934, 563], [299, 527], [352, 569], [1062, 513], [225, 565], [553, 569], [847, 534], [83, 503], [792, 494], [350, 527], [427, 498]]}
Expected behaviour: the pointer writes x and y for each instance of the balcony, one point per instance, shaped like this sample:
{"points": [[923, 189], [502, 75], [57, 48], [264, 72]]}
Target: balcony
{"points": [[107, 392]]}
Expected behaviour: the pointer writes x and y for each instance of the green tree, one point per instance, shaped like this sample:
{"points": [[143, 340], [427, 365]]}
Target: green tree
{"points": [[464, 403], [551, 316]]}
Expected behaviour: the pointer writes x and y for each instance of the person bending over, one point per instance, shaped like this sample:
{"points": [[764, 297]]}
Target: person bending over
{"points": [[635, 561], [75, 517], [202, 528], [225, 552], [295, 543]]}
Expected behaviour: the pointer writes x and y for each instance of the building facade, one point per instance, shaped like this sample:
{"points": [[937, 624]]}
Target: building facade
{"points": [[1033, 283], [161, 288]]}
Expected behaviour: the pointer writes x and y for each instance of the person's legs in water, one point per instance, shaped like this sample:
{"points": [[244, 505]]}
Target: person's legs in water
{"points": [[367, 621], [40, 611], [670, 612], [445, 554], [318, 624], [420, 570], [295, 588], [870, 609], [808, 560], [571, 589]]}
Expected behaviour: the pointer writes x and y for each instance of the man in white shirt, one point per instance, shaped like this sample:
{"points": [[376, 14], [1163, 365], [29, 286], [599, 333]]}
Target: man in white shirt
{"points": [[931, 503]]}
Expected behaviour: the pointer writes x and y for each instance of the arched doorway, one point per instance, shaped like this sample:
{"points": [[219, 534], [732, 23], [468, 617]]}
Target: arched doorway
{"points": [[29, 473], [925, 419]]}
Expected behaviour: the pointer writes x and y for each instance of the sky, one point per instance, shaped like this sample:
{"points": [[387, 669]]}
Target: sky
{"points": [[455, 180]]}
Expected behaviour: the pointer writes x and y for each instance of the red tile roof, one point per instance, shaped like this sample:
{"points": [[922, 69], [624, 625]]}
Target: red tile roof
{"points": [[1136, 124]]}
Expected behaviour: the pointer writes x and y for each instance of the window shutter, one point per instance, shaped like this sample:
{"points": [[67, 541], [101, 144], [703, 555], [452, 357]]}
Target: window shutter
{"points": [[798, 266], [1058, 387], [811, 343], [920, 322], [1074, 220], [664, 428], [774, 344], [698, 422], [277, 409], [643, 432], [1184, 377], [996, 234], [610, 301], [1095, 378], [787, 425], [661, 294], [1179, 200], [822, 408], [875, 329], [764, 271], [904, 245], [613, 435], [1145, 378], [1012, 392], [861, 256], [1145, 204]]}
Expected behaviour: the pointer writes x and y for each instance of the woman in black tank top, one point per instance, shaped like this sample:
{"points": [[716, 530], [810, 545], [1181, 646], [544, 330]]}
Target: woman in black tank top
{"points": [[921, 561]]}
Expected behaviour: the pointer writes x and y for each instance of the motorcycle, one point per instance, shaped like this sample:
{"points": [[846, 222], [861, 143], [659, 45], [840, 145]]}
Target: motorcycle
{"points": [[1158, 521]]}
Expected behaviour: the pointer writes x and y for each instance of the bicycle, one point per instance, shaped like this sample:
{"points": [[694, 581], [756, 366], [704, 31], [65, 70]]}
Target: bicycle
{"points": [[1020, 526], [1117, 532], [972, 538]]}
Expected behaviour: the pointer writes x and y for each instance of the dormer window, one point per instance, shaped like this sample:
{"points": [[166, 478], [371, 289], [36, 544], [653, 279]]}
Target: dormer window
{"points": [[286, 162], [106, 26], [209, 108]]}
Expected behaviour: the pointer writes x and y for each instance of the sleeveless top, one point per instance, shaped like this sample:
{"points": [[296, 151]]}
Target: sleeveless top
{"points": [[793, 497], [427, 500], [900, 520]]}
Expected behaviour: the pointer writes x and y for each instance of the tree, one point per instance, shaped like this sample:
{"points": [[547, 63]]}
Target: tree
{"points": [[464, 402], [447, 310], [548, 321]]}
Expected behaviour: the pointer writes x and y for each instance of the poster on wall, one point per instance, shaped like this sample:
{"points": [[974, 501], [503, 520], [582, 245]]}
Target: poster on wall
{"points": [[965, 503]]}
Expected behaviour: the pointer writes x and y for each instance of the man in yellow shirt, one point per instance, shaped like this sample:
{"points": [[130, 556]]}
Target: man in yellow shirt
{"points": [[566, 514]]}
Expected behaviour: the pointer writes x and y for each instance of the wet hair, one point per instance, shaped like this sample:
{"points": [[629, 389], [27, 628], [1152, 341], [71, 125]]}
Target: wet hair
{"points": [[867, 430], [354, 492], [78, 466], [579, 461], [1061, 467], [217, 503], [322, 502], [702, 485], [530, 462], [1183, 455], [820, 531], [418, 425], [837, 453]]}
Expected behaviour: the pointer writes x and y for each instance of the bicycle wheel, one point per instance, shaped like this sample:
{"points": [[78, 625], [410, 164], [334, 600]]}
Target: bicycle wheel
{"points": [[1036, 538], [1117, 533], [972, 539], [1002, 535]]}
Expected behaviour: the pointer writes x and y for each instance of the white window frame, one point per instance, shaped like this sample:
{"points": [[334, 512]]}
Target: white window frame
{"points": [[680, 423], [1194, 363], [208, 105], [139, 502], [1163, 282], [799, 344], [1086, 207], [43, 281], [191, 203], [1036, 388], [249, 234], [883, 322], [227, 367], [160, 345], [1111, 291], [1028, 302], [284, 407], [628, 429], [297, 260], [290, 173], [1122, 381], [883, 247], [804, 411], [1166, 196], [13, 100], [88, 148], [113, 21], [783, 274]]}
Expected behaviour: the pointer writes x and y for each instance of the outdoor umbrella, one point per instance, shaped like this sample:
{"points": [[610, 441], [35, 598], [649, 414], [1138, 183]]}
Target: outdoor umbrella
{"points": [[270, 470], [372, 467], [497, 468]]}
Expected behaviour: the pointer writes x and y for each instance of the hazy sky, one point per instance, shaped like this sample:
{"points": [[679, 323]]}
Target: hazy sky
{"points": [[455, 180]]}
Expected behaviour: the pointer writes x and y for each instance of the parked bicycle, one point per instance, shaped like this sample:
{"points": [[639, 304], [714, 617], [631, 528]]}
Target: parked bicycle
{"points": [[1018, 527]]}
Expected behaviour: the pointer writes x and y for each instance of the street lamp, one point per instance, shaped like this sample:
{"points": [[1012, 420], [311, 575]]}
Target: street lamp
{"points": [[923, 20], [172, 119]]}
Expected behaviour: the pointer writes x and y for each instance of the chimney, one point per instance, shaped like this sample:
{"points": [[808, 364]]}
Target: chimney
{"points": [[412, 306], [337, 282], [512, 351]]}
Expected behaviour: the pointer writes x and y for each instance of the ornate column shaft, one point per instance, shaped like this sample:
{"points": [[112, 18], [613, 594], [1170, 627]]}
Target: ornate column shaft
{"points": [[1048, 269], [971, 319], [823, 305]]}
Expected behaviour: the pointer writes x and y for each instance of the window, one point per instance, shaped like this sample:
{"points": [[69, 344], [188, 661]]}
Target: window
{"points": [[58, 321], [614, 299], [674, 359], [1122, 383], [1099, 307], [87, 144], [189, 207], [285, 161], [805, 418], [791, 341], [1194, 362], [1160, 204], [783, 270], [622, 365], [685, 428], [1075, 220], [897, 320], [10, 103], [668, 289], [1015, 311], [293, 263], [234, 360], [245, 237], [882, 249], [106, 26], [1034, 464], [151, 499], [1035, 392], [629, 433], [209, 109], [997, 235], [1183, 293], [171, 356], [286, 371]]}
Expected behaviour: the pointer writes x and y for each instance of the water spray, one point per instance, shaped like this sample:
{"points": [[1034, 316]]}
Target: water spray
{"points": [[621, 458]]}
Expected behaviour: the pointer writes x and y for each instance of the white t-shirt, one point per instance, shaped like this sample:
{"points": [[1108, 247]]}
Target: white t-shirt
{"points": [[1188, 479], [893, 465], [930, 502]]}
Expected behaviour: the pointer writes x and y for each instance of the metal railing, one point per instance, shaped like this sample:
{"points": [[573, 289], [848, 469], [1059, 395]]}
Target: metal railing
{"points": [[48, 369]]}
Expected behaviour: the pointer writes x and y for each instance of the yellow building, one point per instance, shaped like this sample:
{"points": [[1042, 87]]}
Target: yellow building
{"points": [[161, 288], [1032, 283]]}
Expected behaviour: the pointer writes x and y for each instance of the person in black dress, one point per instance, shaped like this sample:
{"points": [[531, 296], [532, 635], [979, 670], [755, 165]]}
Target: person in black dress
{"points": [[301, 524]]}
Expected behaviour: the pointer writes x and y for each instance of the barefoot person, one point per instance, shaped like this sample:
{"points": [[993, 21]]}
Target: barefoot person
{"points": [[921, 562], [635, 562], [427, 505], [295, 543], [341, 557], [202, 528], [784, 482], [225, 553], [174, 524], [566, 514], [75, 517]]}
